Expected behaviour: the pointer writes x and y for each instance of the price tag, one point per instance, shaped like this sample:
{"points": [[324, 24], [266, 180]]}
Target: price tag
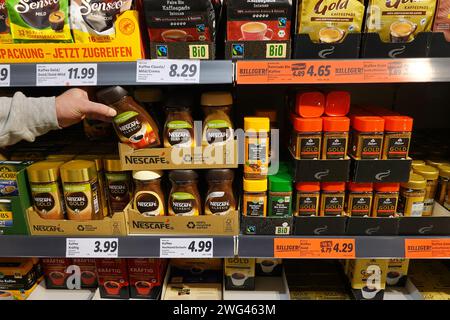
{"points": [[92, 248], [199, 51], [314, 248], [186, 247], [5, 75], [276, 50], [168, 71], [66, 74], [427, 248]]}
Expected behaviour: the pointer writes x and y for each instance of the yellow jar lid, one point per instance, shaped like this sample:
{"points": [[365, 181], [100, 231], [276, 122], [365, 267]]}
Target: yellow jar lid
{"points": [[417, 163], [148, 94], [437, 162], [112, 165], [44, 171], [78, 171], [428, 172], [257, 124], [216, 99], [416, 182], [255, 185], [444, 171]]}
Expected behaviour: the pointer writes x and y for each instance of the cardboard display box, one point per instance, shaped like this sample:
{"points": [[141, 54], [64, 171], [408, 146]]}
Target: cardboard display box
{"points": [[138, 224], [320, 225], [14, 197], [266, 225], [372, 226], [125, 47], [109, 226], [223, 156], [321, 170], [437, 224], [380, 170]]}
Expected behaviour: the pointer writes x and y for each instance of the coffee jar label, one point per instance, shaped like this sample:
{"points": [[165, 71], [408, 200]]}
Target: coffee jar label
{"points": [[218, 203], [183, 203], [385, 206], [77, 201], [307, 205], [371, 148], [335, 148], [360, 205], [132, 130], [329, 21], [37, 20], [217, 131], [254, 206], [399, 21], [179, 132], [332, 205], [398, 148], [309, 148], [148, 203], [280, 206]]}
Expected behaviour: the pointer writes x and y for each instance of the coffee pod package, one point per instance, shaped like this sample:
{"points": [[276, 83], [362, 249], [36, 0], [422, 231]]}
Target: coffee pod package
{"points": [[329, 21], [39, 20], [399, 21], [94, 20], [261, 20], [180, 21], [5, 35], [441, 20]]}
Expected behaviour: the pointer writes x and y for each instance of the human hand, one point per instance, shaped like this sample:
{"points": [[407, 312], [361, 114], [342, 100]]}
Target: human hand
{"points": [[74, 105]]}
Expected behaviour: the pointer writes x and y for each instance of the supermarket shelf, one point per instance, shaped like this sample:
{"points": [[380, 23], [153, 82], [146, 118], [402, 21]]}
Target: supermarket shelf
{"points": [[124, 73], [366, 247], [343, 71], [129, 247]]}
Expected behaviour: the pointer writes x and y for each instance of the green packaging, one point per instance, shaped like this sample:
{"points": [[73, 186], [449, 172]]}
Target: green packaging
{"points": [[280, 195]]}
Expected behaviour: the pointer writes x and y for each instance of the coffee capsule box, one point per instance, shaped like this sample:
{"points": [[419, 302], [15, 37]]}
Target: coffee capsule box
{"points": [[397, 273], [368, 278], [56, 272], [269, 267], [240, 274], [112, 275], [88, 272]]}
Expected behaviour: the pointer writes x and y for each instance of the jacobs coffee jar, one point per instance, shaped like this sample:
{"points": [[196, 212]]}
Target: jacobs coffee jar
{"points": [[81, 190], [46, 189]]}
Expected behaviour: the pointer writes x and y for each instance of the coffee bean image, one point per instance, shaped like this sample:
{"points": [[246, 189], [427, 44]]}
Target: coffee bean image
{"points": [[36, 13]]}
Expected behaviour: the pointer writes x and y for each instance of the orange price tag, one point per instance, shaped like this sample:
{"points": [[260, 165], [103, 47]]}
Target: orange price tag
{"points": [[427, 248], [330, 71], [314, 248]]}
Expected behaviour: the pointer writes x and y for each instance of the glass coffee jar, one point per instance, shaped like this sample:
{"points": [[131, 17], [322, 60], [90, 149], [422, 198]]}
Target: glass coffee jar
{"points": [[184, 198], [148, 197], [220, 198]]}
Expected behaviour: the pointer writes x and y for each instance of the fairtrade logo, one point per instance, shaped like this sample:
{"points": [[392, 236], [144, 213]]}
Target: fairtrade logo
{"points": [[426, 229], [326, 52], [251, 230], [372, 230], [396, 52], [200, 28], [282, 22], [161, 51], [321, 230], [237, 50], [380, 176], [319, 175]]}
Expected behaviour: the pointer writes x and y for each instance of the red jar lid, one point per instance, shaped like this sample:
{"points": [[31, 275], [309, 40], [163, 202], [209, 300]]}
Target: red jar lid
{"points": [[308, 124], [360, 187], [307, 186], [337, 103], [398, 123], [368, 124], [387, 187], [336, 124], [310, 104], [333, 186]]}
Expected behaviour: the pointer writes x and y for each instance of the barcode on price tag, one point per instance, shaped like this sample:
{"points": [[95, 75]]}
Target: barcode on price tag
{"points": [[5, 75], [168, 71], [186, 248], [92, 248], [66, 74]]}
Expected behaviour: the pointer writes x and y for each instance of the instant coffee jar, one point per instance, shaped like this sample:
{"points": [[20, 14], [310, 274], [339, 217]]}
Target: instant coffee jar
{"points": [[45, 187], [443, 193], [306, 140], [385, 199], [257, 145], [335, 137], [332, 198], [255, 198], [118, 185], [431, 175], [360, 196], [220, 198], [148, 197], [217, 125], [184, 198], [412, 196], [367, 137], [81, 190], [307, 199], [397, 137]]}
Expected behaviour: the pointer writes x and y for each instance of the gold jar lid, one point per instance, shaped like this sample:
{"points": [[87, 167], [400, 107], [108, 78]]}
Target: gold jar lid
{"points": [[216, 99], [428, 172], [44, 171], [60, 157], [78, 171], [437, 162], [112, 165], [417, 163], [97, 159], [416, 182], [444, 171]]}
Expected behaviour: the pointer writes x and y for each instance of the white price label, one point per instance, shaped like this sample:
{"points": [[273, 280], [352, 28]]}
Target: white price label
{"points": [[66, 74], [186, 247], [92, 248], [5, 75], [168, 71]]}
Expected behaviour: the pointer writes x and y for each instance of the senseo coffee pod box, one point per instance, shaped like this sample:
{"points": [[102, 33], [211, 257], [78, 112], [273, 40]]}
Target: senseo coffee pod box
{"points": [[368, 278], [239, 274], [269, 267], [112, 278], [262, 20]]}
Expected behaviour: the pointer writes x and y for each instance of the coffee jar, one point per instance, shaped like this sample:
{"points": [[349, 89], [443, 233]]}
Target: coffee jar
{"points": [[45, 187], [220, 199], [307, 199], [148, 197], [257, 145], [332, 198], [385, 199], [443, 193], [184, 198], [217, 126], [360, 196], [412, 196], [367, 137], [118, 185], [255, 198], [397, 137], [431, 175], [81, 190], [335, 137], [306, 140]]}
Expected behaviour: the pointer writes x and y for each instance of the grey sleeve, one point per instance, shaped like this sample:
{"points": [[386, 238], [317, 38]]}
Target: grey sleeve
{"points": [[23, 118]]}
